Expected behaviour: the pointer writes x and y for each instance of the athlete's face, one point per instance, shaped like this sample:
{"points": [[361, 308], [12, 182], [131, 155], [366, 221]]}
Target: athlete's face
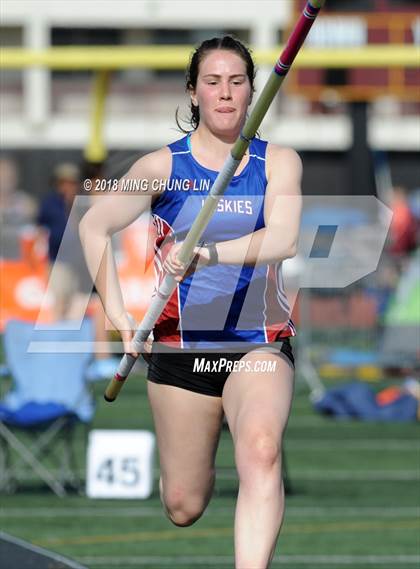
{"points": [[223, 92]]}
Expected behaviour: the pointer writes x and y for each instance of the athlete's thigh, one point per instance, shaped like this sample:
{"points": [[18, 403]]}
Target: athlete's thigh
{"points": [[257, 403], [187, 429]]}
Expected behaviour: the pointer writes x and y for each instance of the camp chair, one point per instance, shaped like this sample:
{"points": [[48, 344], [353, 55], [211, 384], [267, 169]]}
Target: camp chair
{"points": [[48, 398]]}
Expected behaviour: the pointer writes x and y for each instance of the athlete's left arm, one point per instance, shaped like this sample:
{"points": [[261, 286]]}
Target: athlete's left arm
{"points": [[282, 208]]}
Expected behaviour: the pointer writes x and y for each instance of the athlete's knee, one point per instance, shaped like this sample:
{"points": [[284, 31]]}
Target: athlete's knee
{"points": [[259, 451], [182, 507]]}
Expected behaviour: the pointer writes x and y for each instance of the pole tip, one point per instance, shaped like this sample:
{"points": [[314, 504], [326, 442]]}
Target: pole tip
{"points": [[109, 399]]}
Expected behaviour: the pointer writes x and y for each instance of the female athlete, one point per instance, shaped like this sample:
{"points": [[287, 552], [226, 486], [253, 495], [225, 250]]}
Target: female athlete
{"points": [[221, 346]]}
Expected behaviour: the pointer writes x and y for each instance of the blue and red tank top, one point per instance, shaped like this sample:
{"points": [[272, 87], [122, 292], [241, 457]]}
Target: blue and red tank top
{"points": [[222, 306]]}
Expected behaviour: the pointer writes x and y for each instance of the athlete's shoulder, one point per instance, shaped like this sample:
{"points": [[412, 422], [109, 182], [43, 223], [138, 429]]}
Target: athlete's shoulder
{"points": [[276, 152], [281, 158], [154, 165]]}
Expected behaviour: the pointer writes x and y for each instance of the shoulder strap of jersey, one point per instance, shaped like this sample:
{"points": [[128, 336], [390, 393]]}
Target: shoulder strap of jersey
{"points": [[258, 148], [179, 146]]}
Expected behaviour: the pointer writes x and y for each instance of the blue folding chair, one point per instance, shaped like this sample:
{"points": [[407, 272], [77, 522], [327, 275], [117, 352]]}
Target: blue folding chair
{"points": [[48, 398]]}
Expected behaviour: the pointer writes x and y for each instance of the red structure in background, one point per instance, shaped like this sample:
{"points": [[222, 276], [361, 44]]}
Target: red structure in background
{"points": [[357, 24]]}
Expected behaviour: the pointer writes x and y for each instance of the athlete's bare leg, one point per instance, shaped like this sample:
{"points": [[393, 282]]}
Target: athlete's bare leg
{"points": [[188, 429], [257, 407]]}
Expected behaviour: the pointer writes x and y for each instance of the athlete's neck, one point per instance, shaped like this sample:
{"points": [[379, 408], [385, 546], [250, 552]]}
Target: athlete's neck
{"points": [[210, 149]]}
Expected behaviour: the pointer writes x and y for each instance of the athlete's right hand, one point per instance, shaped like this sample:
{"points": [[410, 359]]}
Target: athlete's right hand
{"points": [[126, 326], [127, 338]]}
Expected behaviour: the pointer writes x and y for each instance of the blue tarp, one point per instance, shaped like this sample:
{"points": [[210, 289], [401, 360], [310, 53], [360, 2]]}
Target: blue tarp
{"points": [[357, 400]]}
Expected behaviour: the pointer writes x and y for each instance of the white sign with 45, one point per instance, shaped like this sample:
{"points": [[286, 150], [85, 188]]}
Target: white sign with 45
{"points": [[120, 464]]}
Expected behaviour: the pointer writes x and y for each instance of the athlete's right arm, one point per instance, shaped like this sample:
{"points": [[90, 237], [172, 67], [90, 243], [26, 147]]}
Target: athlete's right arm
{"points": [[111, 213]]}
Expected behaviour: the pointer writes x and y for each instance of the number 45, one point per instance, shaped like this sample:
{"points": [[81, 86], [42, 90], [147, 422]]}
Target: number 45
{"points": [[119, 470]]}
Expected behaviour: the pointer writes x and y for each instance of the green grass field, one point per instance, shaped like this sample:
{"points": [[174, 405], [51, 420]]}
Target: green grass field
{"points": [[354, 502]]}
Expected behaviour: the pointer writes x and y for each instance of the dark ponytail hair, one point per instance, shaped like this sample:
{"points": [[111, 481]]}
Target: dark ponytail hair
{"points": [[228, 43]]}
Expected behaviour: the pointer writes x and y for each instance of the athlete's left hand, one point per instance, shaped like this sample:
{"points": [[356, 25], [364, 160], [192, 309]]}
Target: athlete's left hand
{"points": [[173, 266]]}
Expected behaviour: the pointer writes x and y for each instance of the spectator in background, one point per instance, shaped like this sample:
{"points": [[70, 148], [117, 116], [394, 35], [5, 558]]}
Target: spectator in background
{"points": [[56, 206], [65, 255], [18, 209], [70, 280], [54, 216]]}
